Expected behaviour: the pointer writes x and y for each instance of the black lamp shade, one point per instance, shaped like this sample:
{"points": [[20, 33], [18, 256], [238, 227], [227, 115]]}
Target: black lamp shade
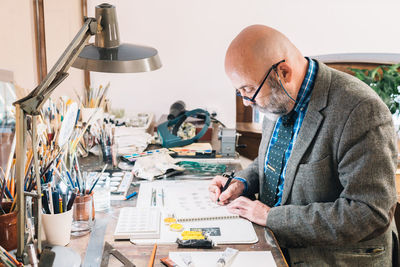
{"points": [[121, 59], [108, 55]]}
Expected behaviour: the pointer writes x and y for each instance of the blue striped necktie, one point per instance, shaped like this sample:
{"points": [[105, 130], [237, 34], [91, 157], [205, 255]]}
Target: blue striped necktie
{"points": [[276, 157]]}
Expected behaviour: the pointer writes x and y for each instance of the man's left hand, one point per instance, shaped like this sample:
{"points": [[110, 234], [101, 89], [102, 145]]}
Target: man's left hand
{"points": [[255, 211]]}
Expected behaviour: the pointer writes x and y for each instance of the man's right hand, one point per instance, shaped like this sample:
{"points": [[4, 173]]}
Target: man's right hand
{"points": [[234, 190]]}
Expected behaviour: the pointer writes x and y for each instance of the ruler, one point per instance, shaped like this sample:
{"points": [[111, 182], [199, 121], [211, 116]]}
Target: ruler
{"points": [[95, 255], [94, 249]]}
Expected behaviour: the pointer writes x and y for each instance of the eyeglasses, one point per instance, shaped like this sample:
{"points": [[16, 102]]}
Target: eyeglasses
{"points": [[273, 67]]}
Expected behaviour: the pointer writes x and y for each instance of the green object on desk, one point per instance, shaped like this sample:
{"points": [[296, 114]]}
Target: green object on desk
{"points": [[198, 168]]}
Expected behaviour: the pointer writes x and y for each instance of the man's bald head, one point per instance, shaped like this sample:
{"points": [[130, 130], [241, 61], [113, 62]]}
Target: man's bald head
{"points": [[258, 46], [251, 53]]}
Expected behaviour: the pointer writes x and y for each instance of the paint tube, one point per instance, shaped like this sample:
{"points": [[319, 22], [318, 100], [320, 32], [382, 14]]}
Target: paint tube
{"points": [[227, 257]]}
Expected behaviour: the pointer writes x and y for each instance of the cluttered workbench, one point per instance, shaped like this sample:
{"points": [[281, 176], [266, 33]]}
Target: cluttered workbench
{"points": [[49, 191], [106, 221], [111, 187]]}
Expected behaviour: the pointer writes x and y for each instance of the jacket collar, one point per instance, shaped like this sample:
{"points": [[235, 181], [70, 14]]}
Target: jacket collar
{"points": [[310, 125]]}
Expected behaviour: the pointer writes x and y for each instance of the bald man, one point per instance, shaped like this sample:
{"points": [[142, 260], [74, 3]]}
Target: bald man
{"points": [[325, 172]]}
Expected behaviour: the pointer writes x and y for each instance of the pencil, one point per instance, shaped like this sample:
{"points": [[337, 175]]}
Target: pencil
{"points": [[11, 258], [153, 255], [12, 186], [131, 195], [13, 203], [60, 207]]}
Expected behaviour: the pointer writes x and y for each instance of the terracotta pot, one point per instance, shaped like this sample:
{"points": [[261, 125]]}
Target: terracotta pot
{"points": [[8, 228]]}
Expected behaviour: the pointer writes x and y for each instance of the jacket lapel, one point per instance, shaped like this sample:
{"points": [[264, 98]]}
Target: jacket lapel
{"points": [[309, 127]]}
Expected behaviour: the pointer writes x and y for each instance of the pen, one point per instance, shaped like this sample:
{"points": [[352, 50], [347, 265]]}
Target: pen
{"points": [[56, 203], [131, 195], [45, 203], [153, 197], [162, 196], [171, 173], [72, 199], [64, 197], [230, 178], [227, 257]]}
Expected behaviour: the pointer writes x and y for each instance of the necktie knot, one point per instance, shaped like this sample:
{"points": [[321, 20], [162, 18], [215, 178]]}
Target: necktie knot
{"points": [[289, 119]]}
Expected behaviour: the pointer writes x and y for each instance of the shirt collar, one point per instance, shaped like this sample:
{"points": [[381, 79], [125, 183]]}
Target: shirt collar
{"points": [[303, 97]]}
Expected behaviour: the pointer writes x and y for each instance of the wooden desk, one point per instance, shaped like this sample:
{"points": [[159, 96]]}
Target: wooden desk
{"points": [[140, 255]]}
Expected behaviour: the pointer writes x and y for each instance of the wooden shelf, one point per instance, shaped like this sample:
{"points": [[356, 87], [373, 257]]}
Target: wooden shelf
{"points": [[251, 137]]}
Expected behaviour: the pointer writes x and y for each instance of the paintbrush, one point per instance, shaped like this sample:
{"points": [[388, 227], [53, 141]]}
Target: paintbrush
{"points": [[97, 179], [2, 194]]}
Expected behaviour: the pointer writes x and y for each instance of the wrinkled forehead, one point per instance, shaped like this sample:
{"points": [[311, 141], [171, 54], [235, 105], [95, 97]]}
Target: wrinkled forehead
{"points": [[244, 71], [241, 77], [244, 60]]}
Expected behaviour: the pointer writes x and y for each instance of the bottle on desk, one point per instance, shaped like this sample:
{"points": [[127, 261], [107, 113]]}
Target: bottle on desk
{"points": [[101, 194]]}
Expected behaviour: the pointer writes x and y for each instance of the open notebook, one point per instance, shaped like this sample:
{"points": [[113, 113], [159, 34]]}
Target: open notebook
{"points": [[189, 202]]}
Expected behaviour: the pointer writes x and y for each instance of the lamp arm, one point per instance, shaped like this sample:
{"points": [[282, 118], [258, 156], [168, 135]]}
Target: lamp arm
{"points": [[32, 103]]}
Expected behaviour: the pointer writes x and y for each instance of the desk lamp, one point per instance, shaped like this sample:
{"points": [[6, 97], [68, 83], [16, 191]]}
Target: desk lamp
{"points": [[107, 54]]}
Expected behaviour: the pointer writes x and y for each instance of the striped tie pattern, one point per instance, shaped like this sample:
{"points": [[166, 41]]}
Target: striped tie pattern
{"points": [[276, 156]]}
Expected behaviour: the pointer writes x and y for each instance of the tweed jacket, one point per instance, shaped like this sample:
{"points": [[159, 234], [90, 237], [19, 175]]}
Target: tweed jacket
{"points": [[339, 194]]}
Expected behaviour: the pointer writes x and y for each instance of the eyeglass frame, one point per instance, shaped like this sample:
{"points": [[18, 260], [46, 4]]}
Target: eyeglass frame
{"points": [[273, 67]]}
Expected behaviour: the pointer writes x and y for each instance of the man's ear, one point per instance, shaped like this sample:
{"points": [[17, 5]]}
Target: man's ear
{"points": [[285, 72]]}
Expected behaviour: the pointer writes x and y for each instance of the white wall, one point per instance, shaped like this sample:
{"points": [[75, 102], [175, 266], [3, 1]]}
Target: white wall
{"points": [[192, 36], [63, 19], [17, 46], [17, 49]]}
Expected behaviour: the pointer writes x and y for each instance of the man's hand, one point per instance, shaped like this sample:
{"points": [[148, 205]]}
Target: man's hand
{"points": [[254, 211], [234, 190]]}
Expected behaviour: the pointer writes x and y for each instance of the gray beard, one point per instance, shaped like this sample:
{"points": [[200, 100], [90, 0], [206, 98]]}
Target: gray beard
{"points": [[269, 115], [278, 102]]}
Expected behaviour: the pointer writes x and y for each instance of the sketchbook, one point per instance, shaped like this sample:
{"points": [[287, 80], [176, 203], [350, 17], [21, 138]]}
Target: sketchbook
{"points": [[189, 203]]}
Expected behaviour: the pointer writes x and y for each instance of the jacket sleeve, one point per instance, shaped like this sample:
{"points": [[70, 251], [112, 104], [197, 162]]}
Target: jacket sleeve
{"points": [[250, 174], [366, 165]]}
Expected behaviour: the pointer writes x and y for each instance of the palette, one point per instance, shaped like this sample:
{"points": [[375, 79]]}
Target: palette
{"points": [[119, 183]]}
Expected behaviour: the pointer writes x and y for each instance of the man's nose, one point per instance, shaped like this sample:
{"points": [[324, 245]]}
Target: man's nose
{"points": [[247, 102]]}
